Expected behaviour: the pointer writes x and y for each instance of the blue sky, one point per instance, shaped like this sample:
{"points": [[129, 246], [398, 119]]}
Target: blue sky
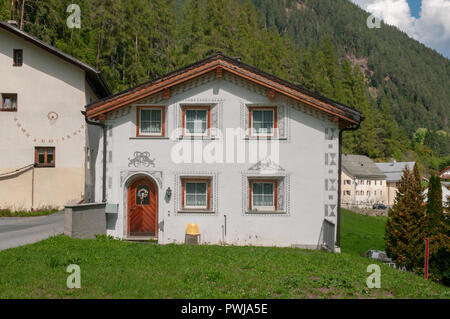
{"points": [[427, 21], [415, 6]]}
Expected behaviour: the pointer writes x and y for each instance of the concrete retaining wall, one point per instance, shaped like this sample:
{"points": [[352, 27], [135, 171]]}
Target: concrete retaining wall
{"points": [[85, 220]]}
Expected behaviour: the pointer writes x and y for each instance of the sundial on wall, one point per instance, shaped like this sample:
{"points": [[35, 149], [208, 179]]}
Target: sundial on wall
{"points": [[52, 118]]}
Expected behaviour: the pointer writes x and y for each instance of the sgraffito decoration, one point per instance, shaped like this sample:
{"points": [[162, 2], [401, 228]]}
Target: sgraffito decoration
{"points": [[331, 171], [141, 159], [54, 140], [266, 165]]}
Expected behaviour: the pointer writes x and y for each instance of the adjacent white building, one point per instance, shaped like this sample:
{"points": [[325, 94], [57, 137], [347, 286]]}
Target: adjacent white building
{"points": [[43, 133], [250, 158]]}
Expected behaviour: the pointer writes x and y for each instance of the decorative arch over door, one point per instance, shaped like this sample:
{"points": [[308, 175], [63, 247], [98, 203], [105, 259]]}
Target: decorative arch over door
{"points": [[142, 208]]}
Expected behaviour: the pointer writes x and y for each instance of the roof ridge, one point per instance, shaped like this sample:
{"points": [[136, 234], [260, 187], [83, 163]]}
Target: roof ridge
{"points": [[236, 66]]}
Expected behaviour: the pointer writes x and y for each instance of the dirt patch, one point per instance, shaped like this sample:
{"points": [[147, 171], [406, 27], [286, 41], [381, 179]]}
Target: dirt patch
{"points": [[373, 92], [362, 63], [299, 5], [381, 293]]}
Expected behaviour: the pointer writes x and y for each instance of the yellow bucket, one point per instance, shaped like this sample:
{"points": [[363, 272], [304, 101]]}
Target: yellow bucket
{"points": [[192, 229]]}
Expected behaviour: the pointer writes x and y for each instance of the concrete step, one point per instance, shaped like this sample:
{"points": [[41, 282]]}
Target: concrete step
{"points": [[141, 239]]}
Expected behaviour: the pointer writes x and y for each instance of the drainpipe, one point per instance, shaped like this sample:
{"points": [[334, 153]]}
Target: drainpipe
{"points": [[338, 226], [103, 126], [32, 188]]}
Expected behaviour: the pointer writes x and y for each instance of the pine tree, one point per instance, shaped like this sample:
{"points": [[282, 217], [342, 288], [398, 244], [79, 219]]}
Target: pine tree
{"points": [[435, 214], [417, 219], [438, 230], [405, 234]]}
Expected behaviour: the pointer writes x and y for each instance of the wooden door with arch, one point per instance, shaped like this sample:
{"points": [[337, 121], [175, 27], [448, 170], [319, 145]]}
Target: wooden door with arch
{"points": [[142, 214]]}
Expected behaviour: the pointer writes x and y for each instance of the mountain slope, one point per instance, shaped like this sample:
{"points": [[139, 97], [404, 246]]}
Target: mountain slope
{"points": [[415, 79], [325, 46]]}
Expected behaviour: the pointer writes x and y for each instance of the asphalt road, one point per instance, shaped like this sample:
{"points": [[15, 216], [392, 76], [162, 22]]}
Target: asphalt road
{"points": [[18, 231]]}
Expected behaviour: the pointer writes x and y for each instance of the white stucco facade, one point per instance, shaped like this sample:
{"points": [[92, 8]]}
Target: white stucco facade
{"points": [[51, 92], [306, 168]]}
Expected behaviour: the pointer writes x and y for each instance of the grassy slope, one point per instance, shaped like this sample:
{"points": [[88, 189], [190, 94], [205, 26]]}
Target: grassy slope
{"points": [[360, 233], [117, 269]]}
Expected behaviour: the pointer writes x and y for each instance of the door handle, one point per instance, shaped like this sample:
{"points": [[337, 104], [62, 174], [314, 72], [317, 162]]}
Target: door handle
{"points": [[131, 210]]}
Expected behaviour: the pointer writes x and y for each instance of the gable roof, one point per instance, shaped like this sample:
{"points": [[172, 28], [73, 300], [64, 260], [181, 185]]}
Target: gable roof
{"points": [[394, 170], [222, 63], [445, 172], [93, 76], [361, 166]]}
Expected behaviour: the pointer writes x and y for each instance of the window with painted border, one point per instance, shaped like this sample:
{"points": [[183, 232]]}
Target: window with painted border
{"points": [[44, 156], [263, 121], [263, 195], [195, 193], [196, 120], [150, 121]]}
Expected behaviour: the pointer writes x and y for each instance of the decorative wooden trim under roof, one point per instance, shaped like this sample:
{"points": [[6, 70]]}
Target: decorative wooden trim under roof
{"points": [[220, 63]]}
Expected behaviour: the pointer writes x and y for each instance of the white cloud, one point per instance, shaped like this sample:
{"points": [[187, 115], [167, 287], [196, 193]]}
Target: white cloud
{"points": [[432, 27], [393, 12]]}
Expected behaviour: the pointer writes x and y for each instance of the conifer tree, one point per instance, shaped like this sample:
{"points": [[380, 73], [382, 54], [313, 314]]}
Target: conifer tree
{"points": [[435, 214], [405, 234], [438, 231]]}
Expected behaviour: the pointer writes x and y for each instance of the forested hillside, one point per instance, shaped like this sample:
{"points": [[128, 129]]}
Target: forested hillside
{"points": [[325, 46], [414, 78]]}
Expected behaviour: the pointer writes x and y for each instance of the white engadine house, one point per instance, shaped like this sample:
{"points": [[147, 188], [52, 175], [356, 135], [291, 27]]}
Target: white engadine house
{"points": [[250, 158]]}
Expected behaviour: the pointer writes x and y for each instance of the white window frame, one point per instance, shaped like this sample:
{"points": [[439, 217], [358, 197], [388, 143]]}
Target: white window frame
{"points": [[264, 208], [151, 108], [252, 129], [186, 133], [193, 181]]}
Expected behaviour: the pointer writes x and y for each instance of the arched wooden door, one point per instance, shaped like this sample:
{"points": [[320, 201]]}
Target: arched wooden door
{"points": [[142, 215]]}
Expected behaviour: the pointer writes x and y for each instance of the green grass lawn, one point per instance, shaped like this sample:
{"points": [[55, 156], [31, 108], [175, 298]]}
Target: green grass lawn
{"points": [[119, 269], [359, 233]]}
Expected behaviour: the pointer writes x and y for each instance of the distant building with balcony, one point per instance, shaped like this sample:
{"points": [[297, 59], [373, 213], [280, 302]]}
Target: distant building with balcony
{"points": [[362, 182]]}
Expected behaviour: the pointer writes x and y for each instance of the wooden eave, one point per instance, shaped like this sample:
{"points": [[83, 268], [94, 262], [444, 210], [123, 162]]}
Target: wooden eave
{"points": [[220, 65]]}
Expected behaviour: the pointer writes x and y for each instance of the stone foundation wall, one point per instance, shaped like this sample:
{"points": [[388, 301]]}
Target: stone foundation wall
{"points": [[85, 220]]}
